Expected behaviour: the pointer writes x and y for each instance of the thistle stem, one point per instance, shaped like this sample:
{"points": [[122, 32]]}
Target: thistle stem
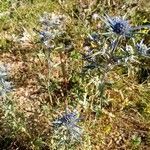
{"points": [[49, 74], [63, 66], [102, 84], [115, 45]]}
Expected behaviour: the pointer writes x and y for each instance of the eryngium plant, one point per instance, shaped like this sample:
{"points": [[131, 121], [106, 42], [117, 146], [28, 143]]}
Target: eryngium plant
{"points": [[54, 36], [103, 52], [12, 119]]}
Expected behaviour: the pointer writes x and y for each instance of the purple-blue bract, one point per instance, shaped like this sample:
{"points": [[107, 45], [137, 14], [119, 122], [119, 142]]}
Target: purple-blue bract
{"points": [[70, 120]]}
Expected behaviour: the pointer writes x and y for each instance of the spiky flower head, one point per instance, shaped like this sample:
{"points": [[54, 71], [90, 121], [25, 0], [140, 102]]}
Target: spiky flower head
{"points": [[118, 25], [142, 49], [69, 121], [121, 26], [52, 26], [52, 20]]}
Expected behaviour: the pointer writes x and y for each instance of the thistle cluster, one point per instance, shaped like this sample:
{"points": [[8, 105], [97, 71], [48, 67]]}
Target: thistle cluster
{"points": [[103, 51]]}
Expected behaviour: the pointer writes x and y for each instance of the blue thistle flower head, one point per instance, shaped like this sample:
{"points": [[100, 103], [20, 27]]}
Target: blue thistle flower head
{"points": [[121, 26], [52, 26], [67, 118], [70, 120], [118, 25], [52, 20]]}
